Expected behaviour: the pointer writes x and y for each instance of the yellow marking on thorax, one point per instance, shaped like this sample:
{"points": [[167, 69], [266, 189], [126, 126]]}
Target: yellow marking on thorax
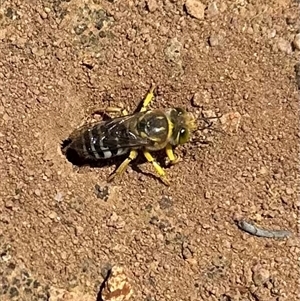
{"points": [[170, 129]]}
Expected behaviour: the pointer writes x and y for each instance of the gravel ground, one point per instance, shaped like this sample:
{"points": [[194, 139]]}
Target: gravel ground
{"points": [[62, 227]]}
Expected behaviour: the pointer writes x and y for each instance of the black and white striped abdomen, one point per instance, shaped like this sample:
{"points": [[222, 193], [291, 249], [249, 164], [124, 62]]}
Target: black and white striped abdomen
{"points": [[95, 144], [92, 143]]}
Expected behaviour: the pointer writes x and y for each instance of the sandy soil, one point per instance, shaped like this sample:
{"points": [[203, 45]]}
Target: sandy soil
{"points": [[59, 59]]}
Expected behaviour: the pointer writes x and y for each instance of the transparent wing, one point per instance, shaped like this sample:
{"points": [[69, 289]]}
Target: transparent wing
{"points": [[112, 134], [116, 133]]}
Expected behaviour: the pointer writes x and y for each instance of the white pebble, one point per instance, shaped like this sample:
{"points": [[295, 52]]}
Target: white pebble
{"points": [[284, 46], [212, 10], [195, 8]]}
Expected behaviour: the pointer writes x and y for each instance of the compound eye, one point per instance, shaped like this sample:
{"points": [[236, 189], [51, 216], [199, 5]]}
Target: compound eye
{"points": [[183, 136], [179, 111]]}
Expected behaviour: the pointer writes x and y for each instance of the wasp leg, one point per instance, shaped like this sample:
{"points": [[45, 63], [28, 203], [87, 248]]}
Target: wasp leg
{"points": [[116, 110], [147, 99], [109, 110], [132, 155], [158, 169], [170, 154]]}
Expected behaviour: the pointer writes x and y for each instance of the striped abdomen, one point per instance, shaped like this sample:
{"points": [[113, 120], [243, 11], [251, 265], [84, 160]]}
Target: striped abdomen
{"points": [[98, 143]]}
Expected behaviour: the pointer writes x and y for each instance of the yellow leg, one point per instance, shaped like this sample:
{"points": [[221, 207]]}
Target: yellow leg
{"points": [[147, 99], [158, 169], [109, 110], [170, 154], [124, 112], [116, 110], [132, 155]]}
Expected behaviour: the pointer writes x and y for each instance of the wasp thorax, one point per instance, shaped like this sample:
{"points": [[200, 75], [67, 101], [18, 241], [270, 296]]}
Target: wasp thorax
{"points": [[154, 125]]}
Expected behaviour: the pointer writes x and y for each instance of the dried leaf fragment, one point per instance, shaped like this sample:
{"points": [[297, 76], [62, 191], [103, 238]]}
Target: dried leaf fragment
{"points": [[116, 286]]}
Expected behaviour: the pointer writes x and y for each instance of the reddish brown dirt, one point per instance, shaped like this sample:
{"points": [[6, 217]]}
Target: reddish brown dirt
{"points": [[60, 58]]}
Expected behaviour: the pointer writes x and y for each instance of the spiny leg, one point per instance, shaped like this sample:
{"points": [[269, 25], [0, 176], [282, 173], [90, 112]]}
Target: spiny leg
{"points": [[132, 155], [157, 167], [148, 99], [170, 154], [124, 112]]}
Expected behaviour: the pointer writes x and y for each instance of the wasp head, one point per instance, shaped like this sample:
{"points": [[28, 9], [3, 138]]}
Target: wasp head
{"points": [[183, 124]]}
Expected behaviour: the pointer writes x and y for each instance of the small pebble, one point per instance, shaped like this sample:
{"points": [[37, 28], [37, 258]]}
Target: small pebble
{"points": [[199, 98], [217, 38], [212, 10], [250, 30], [289, 191], [102, 192], [284, 46], [260, 275], [196, 100], [173, 51], [131, 33], [52, 215], [207, 195], [9, 204], [115, 221], [209, 114], [80, 28], [272, 33], [284, 199], [37, 192], [214, 40], [205, 226], [58, 197], [152, 5], [3, 33], [78, 230], [195, 9], [186, 252], [63, 255], [223, 7], [165, 203], [296, 42], [263, 170], [43, 15]]}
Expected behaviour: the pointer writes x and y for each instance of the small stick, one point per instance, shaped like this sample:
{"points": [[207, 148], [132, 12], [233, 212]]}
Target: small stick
{"points": [[254, 230]]}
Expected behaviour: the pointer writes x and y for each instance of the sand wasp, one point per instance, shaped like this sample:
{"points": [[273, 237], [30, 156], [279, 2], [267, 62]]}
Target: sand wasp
{"points": [[145, 130]]}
